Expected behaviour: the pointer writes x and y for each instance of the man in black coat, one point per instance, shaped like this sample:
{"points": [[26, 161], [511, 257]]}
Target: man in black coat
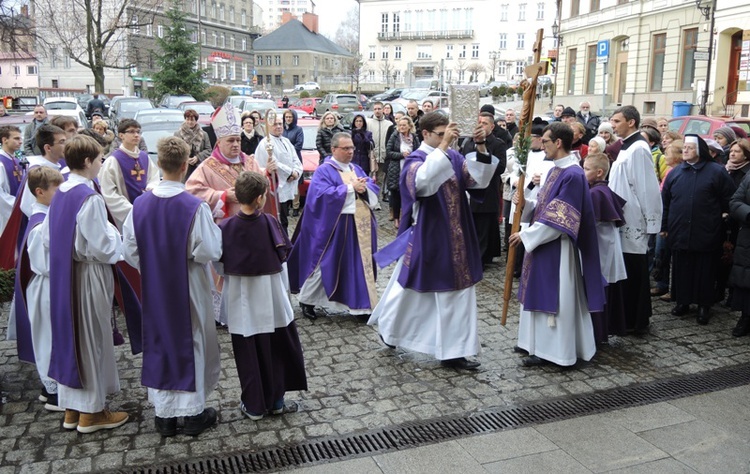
{"points": [[590, 121], [486, 213], [95, 104], [499, 132], [695, 195]]}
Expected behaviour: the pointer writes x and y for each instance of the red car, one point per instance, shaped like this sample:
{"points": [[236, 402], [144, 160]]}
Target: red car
{"points": [[308, 104], [310, 155], [701, 125]]}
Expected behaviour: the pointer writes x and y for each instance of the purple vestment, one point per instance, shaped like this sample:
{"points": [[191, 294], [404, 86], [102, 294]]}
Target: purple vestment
{"points": [[442, 252], [13, 172], [564, 204], [607, 204], [162, 231], [23, 276], [328, 239], [265, 233], [134, 172], [65, 206]]}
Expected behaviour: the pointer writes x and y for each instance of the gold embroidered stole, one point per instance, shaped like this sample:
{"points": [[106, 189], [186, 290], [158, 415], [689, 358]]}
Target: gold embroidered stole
{"points": [[363, 226]]}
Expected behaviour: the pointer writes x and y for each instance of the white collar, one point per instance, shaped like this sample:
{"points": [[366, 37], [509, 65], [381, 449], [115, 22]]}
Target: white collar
{"points": [[566, 162]]}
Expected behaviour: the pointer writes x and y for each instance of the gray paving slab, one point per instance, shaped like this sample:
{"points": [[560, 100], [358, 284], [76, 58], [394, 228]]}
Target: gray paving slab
{"points": [[557, 461], [506, 445], [359, 466], [600, 445], [648, 417], [661, 466], [702, 446], [443, 457], [727, 411]]}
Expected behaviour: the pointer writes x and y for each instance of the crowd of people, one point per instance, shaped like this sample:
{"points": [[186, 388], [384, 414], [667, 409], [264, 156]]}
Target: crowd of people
{"points": [[200, 241]]}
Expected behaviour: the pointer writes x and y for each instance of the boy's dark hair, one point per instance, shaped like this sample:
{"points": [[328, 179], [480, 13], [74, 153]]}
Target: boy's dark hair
{"points": [[125, 124], [560, 130], [249, 186], [172, 152], [6, 130], [79, 149], [432, 120], [43, 177], [45, 135], [63, 121]]}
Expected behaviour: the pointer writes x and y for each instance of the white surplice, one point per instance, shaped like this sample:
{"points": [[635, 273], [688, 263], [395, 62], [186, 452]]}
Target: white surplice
{"points": [[97, 246], [27, 198], [7, 200], [115, 192], [204, 246], [572, 335], [440, 323], [287, 162], [611, 261]]}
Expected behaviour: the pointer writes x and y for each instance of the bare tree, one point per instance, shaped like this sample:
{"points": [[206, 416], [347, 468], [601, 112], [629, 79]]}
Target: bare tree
{"points": [[92, 33], [460, 68], [16, 29], [386, 68], [475, 69], [347, 34]]}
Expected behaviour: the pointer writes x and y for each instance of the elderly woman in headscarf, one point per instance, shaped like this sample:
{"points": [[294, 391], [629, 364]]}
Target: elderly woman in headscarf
{"points": [[196, 138], [695, 195], [724, 136]]}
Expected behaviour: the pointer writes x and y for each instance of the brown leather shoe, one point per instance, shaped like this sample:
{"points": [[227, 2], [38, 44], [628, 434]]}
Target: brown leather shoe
{"points": [[71, 419], [104, 420]]}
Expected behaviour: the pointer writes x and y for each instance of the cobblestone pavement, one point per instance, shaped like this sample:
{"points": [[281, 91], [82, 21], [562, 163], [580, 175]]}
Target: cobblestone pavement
{"points": [[355, 383]]}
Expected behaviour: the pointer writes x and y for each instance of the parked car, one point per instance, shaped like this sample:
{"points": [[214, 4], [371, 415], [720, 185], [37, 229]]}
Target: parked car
{"points": [[261, 95], [127, 108], [390, 94], [237, 100], [20, 121], [205, 110], [699, 125], [151, 132], [68, 106], [339, 103], [114, 100], [307, 104], [261, 105], [310, 155], [158, 115], [310, 86], [420, 95], [172, 101]]}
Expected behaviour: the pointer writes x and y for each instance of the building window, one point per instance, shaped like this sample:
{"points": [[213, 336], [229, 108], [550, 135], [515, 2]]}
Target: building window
{"points": [[371, 76], [259, 60], [159, 30], [277, 60], [689, 43], [475, 51], [149, 30], [231, 15], [221, 13], [295, 79], [396, 22], [540, 11], [397, 52], [260, 80], [591, 69], [502, 69], [223, 41], [519, 68], [268, 60], [295, 60], [522, 12], [16, 70], [244, 44], [503, 44], [213, 12], [268, 79], [424, 51], [575, 7], [384, 23], [462, 53], [277, 79], [658, 51], [55, 83], [407, 20], [572, 70], [444, 19], [384, 52], [504, 12], [371, 56], [594, 6], [243, 18], [521, 41], [203, 38], [448, 51], [232, 43], [215, 38], [134, 26], [31, 70]]}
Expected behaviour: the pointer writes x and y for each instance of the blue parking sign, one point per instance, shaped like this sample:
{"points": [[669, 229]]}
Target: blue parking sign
{"points": [[602, 51]]}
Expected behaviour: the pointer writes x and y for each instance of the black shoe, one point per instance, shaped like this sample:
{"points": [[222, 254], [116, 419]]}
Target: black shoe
{"points": [[743, 326], [166, 427], [308, 311], [295, 212], [388, 345], [680, 310], [532, 361], [519, 350], [461, 363], [44, 395], [195, 425], [704, 314], [51, 403]]}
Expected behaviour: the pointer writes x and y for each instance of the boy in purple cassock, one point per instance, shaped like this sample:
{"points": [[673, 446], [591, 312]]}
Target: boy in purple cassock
{"points": [[609, 218], [171, 236], [266, 345]]}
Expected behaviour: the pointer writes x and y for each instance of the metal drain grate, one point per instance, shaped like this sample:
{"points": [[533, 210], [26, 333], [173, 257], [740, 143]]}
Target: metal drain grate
{"points": [[444, 429]]}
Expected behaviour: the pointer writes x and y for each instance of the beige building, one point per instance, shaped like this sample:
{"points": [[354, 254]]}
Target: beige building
{"points": [[658, 54], [296, 53]]}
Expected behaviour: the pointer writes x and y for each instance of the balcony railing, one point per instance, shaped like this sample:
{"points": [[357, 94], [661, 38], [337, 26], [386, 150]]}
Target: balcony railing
{"points": [[425, 35]]}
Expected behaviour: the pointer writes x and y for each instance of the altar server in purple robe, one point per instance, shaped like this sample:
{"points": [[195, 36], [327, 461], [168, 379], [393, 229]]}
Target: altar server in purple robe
{"points": [[11, 173], [171, 236], [127, 172], [265, 342], [83, 246], [430, 303], [609, 218], [561, 282], [331, 263], [31, 298]]}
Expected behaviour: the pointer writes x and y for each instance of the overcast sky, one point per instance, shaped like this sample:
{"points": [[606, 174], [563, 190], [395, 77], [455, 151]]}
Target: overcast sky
{"points": [[331, 13]]}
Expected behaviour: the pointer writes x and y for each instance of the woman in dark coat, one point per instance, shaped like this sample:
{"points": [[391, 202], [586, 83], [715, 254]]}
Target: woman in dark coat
{"points": [[249, 137], [738, 166], [363, 144], [399, 146], [193, 134], [739, 278], [329, 126]]}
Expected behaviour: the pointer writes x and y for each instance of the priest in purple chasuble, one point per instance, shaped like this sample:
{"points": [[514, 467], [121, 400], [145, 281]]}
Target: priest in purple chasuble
{"points": [[83, 246], [430, 302], [171, 237], [561, 282], [331, 264]]}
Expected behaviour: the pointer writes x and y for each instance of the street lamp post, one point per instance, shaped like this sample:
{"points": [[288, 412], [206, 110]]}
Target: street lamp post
{"points": [[495, 58], [558, 42], [709, 12]]}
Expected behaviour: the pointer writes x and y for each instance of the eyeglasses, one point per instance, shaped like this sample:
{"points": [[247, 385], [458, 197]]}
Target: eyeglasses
{"points": [[546, 140], [345, 148], [133, 132], [440, 134]]}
